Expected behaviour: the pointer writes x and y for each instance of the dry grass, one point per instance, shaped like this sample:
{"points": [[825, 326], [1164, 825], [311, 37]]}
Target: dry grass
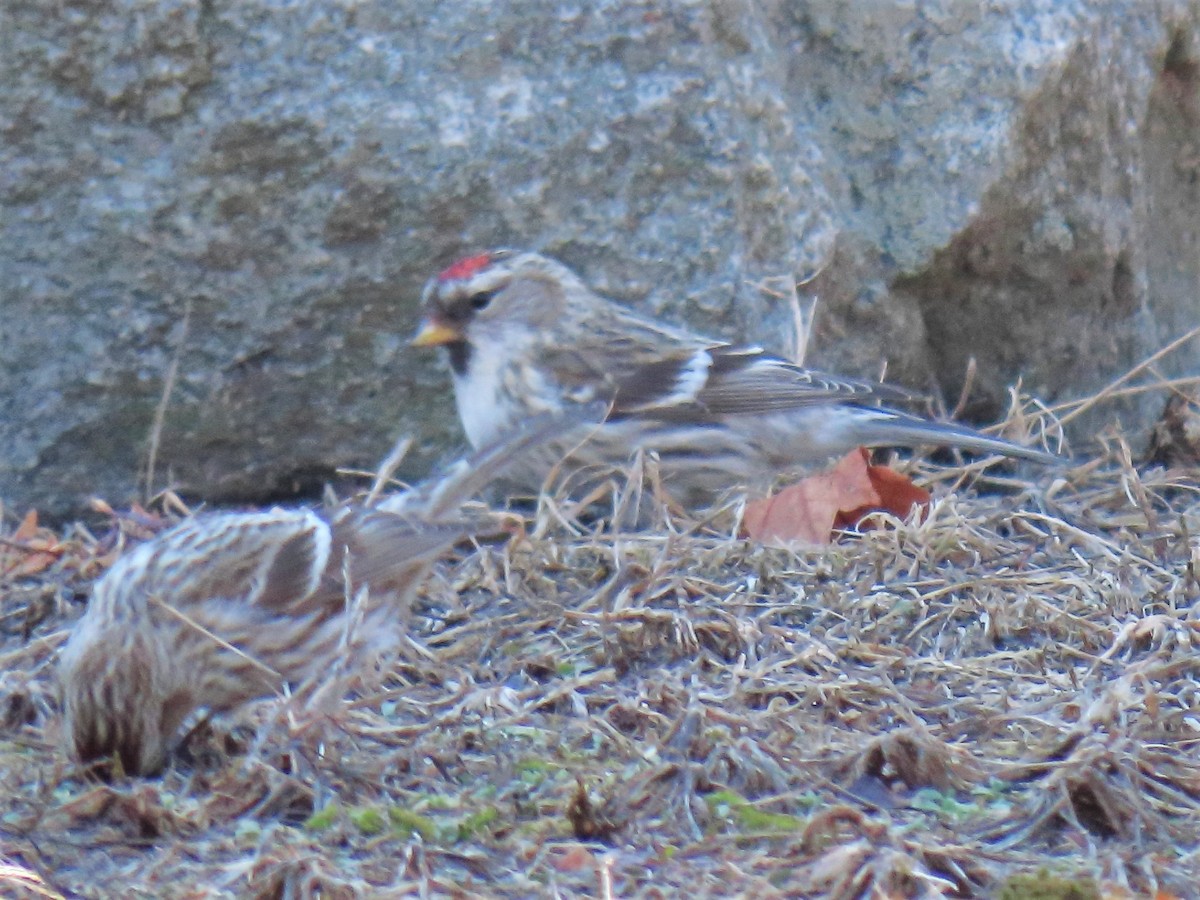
{"points": [[924, 709]]}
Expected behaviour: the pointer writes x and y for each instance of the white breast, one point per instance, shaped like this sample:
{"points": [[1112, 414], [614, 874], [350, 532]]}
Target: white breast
{"points": [[482, 408]]}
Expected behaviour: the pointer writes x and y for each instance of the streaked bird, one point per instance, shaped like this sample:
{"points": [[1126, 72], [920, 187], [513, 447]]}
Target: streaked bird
{"points": [[525, 335], [227, 607]]}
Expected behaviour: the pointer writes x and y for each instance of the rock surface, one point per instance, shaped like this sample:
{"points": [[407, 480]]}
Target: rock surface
{"points": [[242, 200]]}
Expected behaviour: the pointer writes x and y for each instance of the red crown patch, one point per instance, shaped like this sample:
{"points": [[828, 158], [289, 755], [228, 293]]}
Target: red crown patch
{"points": [[465, 267]]}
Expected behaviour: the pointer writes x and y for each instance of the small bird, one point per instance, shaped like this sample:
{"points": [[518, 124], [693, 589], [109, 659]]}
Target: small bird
{"points": [[525, 335], [231, 606]]}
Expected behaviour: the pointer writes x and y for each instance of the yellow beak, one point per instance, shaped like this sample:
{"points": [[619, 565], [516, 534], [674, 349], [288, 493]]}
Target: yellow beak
{"points": [[434, 334]]}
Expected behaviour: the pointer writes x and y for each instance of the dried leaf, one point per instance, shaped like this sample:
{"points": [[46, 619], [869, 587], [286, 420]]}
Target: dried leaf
{"points": [[808, 512], [27, 529], [29, 550], [895, 494], [575, 858], [42, 558], [805, 512]]}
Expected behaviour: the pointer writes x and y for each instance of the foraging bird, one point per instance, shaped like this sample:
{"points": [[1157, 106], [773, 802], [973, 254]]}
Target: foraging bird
{"points": [[228, 607], [525, 335]]}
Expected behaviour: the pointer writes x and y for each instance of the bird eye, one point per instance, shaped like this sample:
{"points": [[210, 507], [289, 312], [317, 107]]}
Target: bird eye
{"points": [[482, 299]]}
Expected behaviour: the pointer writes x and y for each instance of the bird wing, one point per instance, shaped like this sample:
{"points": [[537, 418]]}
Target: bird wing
{"points": [[253, 558], [645, 367], [386, 549], [444, 494], [389, 545], [283, 561], [722, 379], [621, 357]]}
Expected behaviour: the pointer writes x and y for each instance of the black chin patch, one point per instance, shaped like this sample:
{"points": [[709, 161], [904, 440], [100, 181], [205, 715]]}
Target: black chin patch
{"points": [[460, 356]]}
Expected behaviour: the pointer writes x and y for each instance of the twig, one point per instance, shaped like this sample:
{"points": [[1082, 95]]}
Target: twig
{"points": [[968, 383], [192, 623], [160, 412], [384, 473], [1169, 385], [802, 320], [1110, 389]]}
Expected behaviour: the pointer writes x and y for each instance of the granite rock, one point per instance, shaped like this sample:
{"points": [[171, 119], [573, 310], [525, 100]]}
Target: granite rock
{"points": [[240, 202]]}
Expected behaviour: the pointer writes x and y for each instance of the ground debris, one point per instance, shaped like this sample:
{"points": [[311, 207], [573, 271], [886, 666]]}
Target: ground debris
{"points": [[934, 707]]}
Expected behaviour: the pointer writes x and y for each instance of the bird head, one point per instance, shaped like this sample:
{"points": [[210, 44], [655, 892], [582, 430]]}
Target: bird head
{"points": [[107, 715], [490, 295]]}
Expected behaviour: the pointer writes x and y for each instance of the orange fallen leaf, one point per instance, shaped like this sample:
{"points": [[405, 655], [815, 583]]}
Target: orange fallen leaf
{"points": [[27, 529], [28, 550], [40, 557], [809, 511], [574, 859], [895, 494], [805, 511]]}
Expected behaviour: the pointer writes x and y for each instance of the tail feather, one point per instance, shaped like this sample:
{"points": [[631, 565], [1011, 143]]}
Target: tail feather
{"points": [[895, 429]]}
